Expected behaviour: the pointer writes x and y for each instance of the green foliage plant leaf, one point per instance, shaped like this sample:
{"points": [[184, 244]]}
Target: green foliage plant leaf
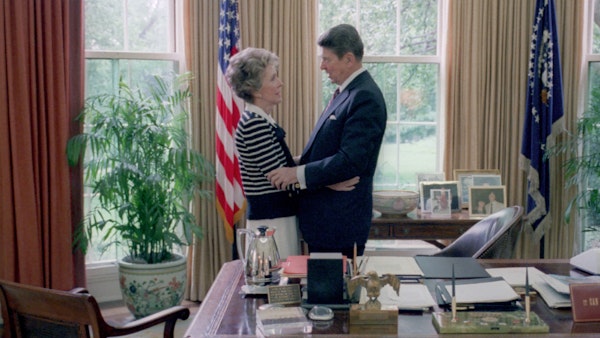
{"points": [[141, 170], [582, 163]]}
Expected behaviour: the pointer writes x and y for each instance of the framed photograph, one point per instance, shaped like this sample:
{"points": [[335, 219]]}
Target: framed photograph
{"points": [[440, 202], [425, 194], [465, 180], [428, 177], [486, 200], [486, 180]]}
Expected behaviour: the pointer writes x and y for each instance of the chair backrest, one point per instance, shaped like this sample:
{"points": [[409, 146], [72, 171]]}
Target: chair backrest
{"points": [[30, 311], [495, 236]]}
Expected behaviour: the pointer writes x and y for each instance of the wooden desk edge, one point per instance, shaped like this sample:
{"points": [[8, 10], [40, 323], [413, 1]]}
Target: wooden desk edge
{"points": [[210, 315], [215, 303]]}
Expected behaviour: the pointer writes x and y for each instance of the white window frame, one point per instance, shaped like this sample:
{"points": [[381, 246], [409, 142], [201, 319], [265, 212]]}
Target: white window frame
{"points": [[438, 59], [102, 276], [582, 101]]}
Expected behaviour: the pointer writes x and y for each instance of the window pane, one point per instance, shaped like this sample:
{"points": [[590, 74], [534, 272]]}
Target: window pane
{"points": [[148, 25], [589, 217], [596, 28], [404, 27], [335, 12], [406, 151], [147, 28], [418, 27], [140, 72], [382, 36], [410, 90], [104, 25], [102, 75]]}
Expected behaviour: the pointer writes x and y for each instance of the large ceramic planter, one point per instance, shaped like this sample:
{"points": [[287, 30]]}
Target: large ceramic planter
{"points": [[149, 288]]}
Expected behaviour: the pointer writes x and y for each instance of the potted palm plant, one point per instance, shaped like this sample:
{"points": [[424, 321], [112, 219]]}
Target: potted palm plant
{"points": [[582, 167], [143, 176]]}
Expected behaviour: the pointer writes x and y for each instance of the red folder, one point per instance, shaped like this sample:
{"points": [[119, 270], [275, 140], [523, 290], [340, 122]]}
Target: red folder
{"points": [[297, 266]]}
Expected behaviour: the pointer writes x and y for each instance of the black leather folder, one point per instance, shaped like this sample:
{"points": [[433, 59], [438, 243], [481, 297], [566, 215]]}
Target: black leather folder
{"points": [[441, 267], [325, 281]]}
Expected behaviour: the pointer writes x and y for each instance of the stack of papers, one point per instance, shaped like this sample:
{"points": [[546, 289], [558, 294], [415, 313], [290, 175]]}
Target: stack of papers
{"points": [[554, 289], [478, 291], [395, 265], [553, 298], [413, 296], [515, 276], [561, 283]]}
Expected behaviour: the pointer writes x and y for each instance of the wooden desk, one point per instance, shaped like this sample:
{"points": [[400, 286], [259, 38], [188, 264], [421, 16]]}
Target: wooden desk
{"points": [[422, 226], [224, 312]]}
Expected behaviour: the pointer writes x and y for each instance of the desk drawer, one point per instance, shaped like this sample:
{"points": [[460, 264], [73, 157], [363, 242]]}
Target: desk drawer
{"points": [[380, 231]]}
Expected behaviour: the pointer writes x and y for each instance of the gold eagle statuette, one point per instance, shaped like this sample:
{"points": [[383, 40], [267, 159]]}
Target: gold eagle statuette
{"points": [[373, 284]]}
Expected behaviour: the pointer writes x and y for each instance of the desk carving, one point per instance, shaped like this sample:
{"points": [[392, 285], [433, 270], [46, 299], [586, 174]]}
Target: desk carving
{"points": [[373, 284]]}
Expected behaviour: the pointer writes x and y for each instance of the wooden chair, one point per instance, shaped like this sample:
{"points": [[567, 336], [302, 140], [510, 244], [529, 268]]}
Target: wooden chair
{"points": [[495, 236], [30, 311]]}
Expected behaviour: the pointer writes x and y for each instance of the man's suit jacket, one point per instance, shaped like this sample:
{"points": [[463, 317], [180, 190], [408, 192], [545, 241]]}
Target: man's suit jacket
{"points": [[344, 143]]}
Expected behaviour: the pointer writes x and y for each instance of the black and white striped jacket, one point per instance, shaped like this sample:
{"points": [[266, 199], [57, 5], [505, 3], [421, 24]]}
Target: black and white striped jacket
{"points": [[261, 148]]}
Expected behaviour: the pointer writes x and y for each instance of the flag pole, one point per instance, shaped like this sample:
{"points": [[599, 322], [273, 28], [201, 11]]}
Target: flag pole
{"points": [[229, 192], [543, 117]]}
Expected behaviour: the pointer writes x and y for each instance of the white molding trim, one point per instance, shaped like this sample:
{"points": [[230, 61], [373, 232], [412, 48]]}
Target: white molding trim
{"points": [[103, 281]]}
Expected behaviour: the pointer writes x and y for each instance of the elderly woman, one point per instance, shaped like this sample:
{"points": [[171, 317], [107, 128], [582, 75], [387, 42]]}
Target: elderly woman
{"points": [[253, 75]]}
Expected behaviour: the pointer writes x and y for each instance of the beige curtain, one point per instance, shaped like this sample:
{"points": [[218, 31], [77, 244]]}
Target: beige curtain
{"points": [[288, 28], [487, 66], [284, 27]]}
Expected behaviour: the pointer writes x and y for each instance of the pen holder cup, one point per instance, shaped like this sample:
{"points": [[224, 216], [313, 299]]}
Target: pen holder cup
{"points": [[353, 298]]}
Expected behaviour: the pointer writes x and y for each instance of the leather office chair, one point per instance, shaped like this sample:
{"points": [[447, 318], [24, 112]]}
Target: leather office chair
{"points": [[30, 311], [495, 236]]}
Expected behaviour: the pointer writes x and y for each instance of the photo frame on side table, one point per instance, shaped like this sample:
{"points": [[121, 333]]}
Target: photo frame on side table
{"points": [[486, 200], [428, 177], [486, 180], [440, 202], [425, 194], [465, 180]]}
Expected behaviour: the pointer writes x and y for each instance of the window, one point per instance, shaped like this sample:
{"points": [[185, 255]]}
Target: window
{"points": [[403, 53], [132, 40], [590, 219]]}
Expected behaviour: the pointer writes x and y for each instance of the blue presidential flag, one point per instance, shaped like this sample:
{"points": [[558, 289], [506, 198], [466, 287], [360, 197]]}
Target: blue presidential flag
{"points": [[543, 114]]}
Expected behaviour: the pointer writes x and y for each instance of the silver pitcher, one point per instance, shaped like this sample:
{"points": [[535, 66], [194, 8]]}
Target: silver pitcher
{"points": [[261, 258]]}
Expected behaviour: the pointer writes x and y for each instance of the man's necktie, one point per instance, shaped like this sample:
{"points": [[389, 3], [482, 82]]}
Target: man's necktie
{"points": [[335, 94]]}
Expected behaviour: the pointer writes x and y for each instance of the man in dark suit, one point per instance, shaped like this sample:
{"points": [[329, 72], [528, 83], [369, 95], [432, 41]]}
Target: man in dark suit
{"points": [[344, 144]]}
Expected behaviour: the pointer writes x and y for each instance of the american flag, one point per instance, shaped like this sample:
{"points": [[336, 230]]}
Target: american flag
{"points": [[543, 115], [230, 195]]}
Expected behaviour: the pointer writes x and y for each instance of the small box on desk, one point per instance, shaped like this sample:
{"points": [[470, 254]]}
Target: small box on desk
{"points": [[384, 320], [282, 321], [325, 278]]}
